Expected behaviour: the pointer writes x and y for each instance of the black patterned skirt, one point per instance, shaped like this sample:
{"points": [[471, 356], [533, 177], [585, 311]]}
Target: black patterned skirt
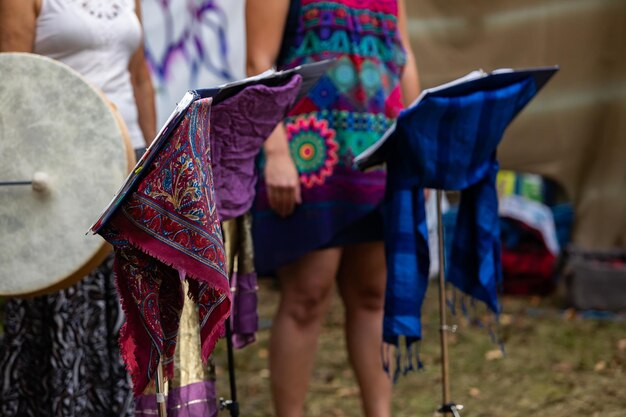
{"points": [[59, 355]]}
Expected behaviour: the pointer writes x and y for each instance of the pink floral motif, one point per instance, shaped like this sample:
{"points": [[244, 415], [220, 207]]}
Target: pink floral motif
{"points": [[314, 149]]}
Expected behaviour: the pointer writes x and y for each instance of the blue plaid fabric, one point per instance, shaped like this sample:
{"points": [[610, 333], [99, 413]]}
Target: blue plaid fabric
{"points": [[446, 142]]}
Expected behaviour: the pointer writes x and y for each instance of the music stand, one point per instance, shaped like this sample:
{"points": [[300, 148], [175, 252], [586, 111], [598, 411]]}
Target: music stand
{"points": [[409, 127]]}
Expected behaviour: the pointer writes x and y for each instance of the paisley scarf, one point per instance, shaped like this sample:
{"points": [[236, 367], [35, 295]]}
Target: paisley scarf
{"points": [[166, 231]]}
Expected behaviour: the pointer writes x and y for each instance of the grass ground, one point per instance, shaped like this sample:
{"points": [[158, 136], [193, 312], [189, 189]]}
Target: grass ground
{"points": [[557, 364]]}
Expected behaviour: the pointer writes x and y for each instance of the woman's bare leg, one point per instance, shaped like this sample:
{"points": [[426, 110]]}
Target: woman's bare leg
{"points": [[362, 277], [306, 288]]}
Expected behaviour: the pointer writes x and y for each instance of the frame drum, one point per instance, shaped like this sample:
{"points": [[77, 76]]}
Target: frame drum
{"points": [[64, 151]]}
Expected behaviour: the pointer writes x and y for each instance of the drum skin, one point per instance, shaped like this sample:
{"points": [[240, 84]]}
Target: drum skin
{"points": [[53, 123]]}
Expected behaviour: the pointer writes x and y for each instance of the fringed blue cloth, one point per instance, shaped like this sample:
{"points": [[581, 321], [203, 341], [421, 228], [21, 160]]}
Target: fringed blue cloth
{"points": [[446, 141]]}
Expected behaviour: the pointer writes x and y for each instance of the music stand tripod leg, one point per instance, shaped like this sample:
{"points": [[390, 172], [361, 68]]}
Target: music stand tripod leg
{"points": [[232, 405]]}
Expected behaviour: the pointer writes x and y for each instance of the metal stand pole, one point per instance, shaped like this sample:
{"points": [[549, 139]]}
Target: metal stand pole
{"points": [[160, 391], [448, 407], [232, 405], [9, 183]]}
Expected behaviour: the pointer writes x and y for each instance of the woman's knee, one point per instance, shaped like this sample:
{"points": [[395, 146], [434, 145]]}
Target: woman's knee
{"points": [[362, 277], [369, 298], [307, 285], [306, 305]]}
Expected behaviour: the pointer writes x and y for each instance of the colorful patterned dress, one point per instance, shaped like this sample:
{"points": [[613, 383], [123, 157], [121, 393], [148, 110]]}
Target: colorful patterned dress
{"points": [[348, 109]]}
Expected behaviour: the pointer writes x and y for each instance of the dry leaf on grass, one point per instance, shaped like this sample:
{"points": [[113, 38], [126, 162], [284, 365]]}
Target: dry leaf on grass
{"points": [[506, 319], [493, 355], [337, 413], [563, 367], [474, 392], [570, 314], [348, 392], [600, 366]]}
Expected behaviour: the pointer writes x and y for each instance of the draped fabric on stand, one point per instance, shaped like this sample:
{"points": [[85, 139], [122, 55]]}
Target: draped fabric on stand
{"points": [[244, 318], [170, 229], [191, 391], [446, 143], [166, 231], [240, 126]]}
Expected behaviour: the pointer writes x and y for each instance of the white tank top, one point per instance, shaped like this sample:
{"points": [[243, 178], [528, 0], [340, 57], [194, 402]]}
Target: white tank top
{"points": [[96, 38]]}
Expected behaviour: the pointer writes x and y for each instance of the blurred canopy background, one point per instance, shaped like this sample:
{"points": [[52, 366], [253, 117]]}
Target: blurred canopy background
{"points": [[574, 132]]}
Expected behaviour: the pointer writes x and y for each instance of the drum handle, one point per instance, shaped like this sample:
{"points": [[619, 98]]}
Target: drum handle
{"points": [[40, 182]]}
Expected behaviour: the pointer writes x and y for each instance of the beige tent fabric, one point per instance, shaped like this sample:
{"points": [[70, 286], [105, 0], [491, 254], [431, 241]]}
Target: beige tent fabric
{"points": [[575, 129]]}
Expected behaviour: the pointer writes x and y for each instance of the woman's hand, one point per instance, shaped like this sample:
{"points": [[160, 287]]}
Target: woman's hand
{"points": [[282, 181]]}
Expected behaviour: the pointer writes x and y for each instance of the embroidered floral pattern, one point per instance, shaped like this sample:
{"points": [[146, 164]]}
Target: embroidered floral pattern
{"points": [[101, 9]]}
